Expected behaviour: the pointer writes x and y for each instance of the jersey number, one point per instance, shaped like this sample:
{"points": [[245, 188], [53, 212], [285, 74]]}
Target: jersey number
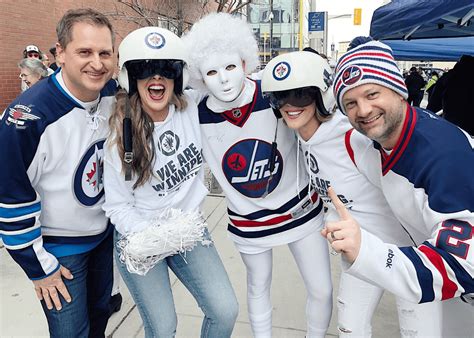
{"points": [[452, 235]]}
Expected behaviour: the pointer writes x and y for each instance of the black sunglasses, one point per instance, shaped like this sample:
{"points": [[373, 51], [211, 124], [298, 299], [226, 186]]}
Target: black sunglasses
{"points": [[299, 97], [143, 69]]}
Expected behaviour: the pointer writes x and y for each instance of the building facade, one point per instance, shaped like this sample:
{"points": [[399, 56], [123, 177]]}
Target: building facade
{"points": [[278, 26], [27, 22]]}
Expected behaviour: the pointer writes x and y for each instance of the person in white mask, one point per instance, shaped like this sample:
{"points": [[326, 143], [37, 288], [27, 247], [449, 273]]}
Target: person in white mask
{"points": [[253, 157]]}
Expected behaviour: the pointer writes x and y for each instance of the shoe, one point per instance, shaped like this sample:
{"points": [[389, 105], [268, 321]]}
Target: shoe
{"points": [[115, 304]]}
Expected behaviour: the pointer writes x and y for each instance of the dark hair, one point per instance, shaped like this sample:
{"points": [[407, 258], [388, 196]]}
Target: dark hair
{"points": [[52, 50], [309, 49], [73, 16]]}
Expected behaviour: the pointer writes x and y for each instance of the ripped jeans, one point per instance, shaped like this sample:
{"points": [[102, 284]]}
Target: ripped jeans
{"points": [[201, 271], [356, 304]]}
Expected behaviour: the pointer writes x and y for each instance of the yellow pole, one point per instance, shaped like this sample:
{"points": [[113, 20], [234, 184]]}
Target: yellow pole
{"points": [[300, 31]]}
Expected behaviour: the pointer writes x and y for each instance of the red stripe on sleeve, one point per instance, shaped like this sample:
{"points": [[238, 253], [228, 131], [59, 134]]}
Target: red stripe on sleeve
{"points": [[449, 287]]}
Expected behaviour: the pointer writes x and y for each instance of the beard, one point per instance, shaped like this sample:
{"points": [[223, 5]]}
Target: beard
{"points": [[392, 120]]}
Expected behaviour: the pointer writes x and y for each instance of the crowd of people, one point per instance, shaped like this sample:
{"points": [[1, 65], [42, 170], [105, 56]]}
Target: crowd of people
{"points": [[105, 172]]}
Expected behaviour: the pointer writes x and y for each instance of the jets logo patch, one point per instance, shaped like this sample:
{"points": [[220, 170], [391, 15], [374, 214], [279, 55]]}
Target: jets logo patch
{"points": [[19, 115], [155, 40], [246, 166], [88, 184], [313, 164], [281, 71], [351, 75]]}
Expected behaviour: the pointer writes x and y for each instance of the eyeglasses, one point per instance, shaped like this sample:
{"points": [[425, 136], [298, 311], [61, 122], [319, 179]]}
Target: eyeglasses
{"points": [[143, 69], [299, 97], [33, 55]]}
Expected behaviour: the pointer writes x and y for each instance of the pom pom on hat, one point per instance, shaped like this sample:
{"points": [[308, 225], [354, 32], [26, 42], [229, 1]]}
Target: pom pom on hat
{"points": [[358, 40], [369, 62]]}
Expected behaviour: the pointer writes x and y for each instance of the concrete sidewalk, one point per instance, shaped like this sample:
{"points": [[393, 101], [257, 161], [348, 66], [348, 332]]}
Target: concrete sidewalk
{"points": [[21, 314]]}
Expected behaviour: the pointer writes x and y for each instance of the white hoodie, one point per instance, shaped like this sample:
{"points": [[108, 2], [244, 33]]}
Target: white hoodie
{"points": [[328, 163], [178, 175]]}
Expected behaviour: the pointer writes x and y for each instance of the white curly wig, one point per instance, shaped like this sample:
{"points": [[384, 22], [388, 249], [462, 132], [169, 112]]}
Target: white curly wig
{"points": [[219, 33]]}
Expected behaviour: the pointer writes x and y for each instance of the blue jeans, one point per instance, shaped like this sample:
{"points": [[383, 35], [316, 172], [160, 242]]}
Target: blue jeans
{"points": [[90, 289], [201, 271]]}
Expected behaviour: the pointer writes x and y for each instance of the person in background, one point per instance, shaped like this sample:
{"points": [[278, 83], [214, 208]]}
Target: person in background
{"points": [[431, 84], [458, 98], [254, 158], [414, 83], [435, 102], [31, 71], [165, 140], [53, 65], [51, 216], [422, 164], [45, 60], [32, 51]]}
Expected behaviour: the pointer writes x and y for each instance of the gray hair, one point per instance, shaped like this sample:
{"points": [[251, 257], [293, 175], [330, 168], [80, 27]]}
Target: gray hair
{"points": [[35, 66]]}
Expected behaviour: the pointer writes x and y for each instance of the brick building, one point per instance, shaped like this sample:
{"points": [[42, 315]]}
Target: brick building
{"points": [[25, 22]]}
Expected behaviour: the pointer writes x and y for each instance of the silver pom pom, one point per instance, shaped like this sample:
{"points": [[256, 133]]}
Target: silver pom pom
{"points": [[170, 232]]}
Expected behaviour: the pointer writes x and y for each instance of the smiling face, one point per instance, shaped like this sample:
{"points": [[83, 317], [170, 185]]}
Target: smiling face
{"points": [[87, 61], [376, 111], [301, 119], [224, 76], [155, 95]]}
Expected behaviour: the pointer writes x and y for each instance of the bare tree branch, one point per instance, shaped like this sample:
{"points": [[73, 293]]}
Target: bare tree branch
{"points": [[176, 15]]}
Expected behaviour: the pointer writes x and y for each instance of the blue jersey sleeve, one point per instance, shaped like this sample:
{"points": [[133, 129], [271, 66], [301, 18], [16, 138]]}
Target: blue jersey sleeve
{"points": [[21, 128]]}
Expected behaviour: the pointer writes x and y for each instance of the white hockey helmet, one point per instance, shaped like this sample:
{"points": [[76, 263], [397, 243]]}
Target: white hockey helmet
{"points": [[142, 46], [299, 70]]}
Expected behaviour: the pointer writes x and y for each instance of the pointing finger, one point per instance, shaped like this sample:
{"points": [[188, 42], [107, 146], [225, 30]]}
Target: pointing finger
{"points": [[343, 213]]}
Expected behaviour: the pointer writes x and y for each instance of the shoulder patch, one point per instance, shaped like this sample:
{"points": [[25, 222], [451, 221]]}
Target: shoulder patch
{"points": [[19, 115]]}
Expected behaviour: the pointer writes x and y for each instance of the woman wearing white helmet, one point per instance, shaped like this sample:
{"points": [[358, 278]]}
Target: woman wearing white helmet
{"points": [[154, 187], [299, 86]]}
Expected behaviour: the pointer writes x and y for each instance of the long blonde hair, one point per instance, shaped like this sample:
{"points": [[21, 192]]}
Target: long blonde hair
{"points": [[142, 131]]}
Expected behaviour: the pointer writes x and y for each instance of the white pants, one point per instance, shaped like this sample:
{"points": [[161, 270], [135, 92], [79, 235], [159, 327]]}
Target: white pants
{"points": [[357, 300], [312, 259]]}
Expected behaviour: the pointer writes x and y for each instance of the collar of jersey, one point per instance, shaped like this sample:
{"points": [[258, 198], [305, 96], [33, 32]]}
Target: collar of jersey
{"points": [[62, 89], [389, 160]]}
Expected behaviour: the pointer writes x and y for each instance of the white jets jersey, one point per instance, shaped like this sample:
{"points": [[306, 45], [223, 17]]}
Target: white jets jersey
{"points": [[52, 190], [178, 178], [267, 205], [428, 182], [329, 160]]}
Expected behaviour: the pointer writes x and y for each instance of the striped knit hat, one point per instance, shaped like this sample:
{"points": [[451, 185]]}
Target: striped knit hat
{"points": [[371, 62]]}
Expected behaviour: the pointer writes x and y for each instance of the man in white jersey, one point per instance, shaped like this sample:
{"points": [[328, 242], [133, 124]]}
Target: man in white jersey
{"points": [[424, 174], [253, 157], [51, 219]]}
